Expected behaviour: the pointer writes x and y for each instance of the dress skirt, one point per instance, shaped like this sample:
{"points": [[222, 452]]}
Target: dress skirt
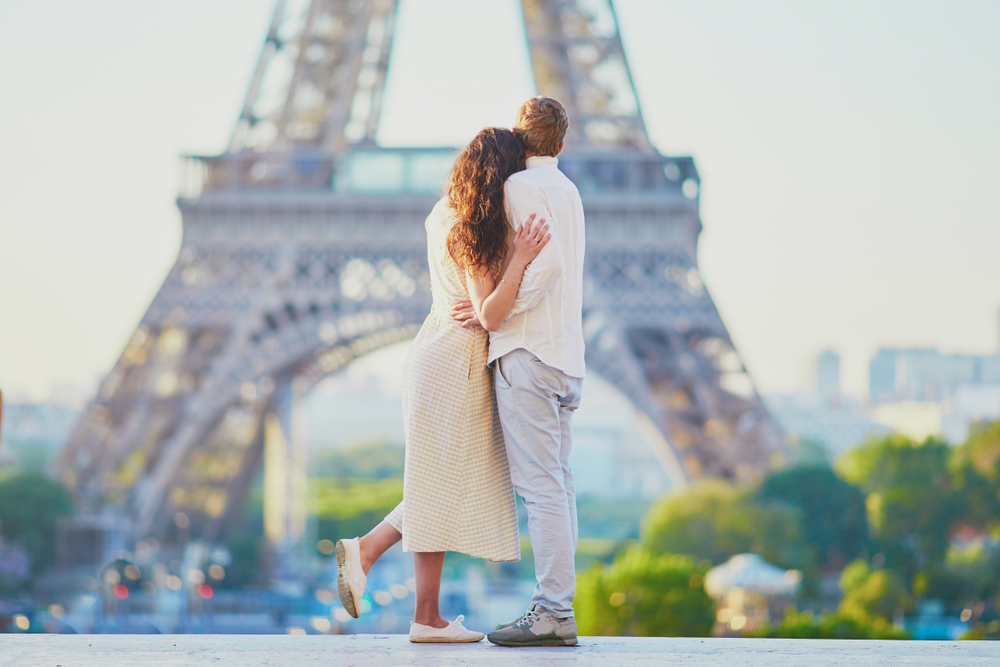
{"points": [[457, 493]]}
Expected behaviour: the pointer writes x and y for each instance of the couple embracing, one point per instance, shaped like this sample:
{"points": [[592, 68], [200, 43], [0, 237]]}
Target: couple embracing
{"points": [[490, 384]]}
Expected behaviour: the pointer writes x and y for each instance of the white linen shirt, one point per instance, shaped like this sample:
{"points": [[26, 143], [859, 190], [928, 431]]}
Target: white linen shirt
{"points": [[547, 316]]}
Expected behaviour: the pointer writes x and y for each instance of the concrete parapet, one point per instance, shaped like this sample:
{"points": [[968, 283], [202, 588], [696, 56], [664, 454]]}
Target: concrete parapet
{"points": [[394, 650]]}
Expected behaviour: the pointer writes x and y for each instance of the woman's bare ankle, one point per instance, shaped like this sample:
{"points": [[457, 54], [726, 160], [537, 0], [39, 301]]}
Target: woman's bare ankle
{"points": [[431, 620], [366, 560]]}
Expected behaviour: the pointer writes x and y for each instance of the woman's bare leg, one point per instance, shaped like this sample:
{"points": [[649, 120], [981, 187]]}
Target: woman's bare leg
{"points": [[428, 568], [376, 543]]}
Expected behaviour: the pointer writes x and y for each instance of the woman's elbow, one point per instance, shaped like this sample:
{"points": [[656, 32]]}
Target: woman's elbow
{"points": [[489, 322], [490, 325]]}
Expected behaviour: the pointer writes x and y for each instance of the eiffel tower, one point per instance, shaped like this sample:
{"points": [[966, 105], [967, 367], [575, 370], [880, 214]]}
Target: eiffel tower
{"points": [[303, 249]]}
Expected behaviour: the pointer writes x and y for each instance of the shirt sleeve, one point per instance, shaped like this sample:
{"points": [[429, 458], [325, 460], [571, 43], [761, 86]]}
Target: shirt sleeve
{"points": [[523, 199]]}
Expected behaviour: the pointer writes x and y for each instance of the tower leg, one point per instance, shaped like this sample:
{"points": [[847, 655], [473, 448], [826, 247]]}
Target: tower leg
{"points": [[285, 482]]}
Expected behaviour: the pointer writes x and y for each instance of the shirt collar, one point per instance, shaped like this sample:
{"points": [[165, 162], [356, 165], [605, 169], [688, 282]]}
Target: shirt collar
{"points": [[540, 160]]}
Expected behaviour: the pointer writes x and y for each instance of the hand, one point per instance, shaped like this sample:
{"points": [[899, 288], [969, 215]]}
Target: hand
{"points": [[464, 312], [529, 241]]}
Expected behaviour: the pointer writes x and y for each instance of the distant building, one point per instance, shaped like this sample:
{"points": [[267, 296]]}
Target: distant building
{"points": [[971, 404], [927, 375], [828, 375], [921, 392], [837, 425], [918, 420], [825, 416]]}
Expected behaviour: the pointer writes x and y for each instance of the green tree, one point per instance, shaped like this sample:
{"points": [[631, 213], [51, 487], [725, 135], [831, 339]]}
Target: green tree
{"points": [[911, 499], [644, 594], [30, 507], [714, 520], [371, 460], [832, 511], [347, 507], [870, 599], [982, 449], [831, 626], [871, 594], [976, 473]]}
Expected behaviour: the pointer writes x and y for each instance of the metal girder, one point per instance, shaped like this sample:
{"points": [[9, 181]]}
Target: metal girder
{"points": [[577, 57], [320, 77]]}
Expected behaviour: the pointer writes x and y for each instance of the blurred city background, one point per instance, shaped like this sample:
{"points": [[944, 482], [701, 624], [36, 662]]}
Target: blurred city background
{"points": [[846, 165]]}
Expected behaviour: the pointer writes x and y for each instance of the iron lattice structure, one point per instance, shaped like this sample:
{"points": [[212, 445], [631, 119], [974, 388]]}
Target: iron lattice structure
{"points": [[304, 248]]}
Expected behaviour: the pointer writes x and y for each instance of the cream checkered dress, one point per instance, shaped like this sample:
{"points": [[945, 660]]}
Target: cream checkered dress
{"points": [[457, 494]]}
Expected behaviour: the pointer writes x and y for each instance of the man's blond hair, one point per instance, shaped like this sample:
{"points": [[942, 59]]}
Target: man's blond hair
{"points": [[541, 125]]}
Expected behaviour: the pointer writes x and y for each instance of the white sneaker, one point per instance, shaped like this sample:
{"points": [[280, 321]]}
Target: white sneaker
{"points": [[452, 633], [351, 579]]}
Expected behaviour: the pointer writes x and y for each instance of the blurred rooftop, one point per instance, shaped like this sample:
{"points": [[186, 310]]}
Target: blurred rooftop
{"points": [[378, 650]]}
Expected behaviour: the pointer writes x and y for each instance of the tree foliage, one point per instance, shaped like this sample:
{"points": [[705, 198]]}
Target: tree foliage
{"points": [[715, 520], [911, 498], [645, 594], [349, 507], [870, 594], [832, 511], [371, 460], [982, 449], [30, 507], [831, 626], [924, 511]]}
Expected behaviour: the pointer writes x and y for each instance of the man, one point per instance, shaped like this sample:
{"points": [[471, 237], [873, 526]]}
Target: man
{"points": [[537, 357]]}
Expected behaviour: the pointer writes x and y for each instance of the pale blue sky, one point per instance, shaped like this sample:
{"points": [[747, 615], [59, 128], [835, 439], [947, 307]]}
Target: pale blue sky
{"points": [[849, 150]]}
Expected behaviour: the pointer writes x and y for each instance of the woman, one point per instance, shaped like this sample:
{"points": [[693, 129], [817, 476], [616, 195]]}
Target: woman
{"points": [[457, 494]]}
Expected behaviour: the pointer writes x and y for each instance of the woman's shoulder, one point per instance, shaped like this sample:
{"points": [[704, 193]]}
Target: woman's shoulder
{"points": [[442, 215]]}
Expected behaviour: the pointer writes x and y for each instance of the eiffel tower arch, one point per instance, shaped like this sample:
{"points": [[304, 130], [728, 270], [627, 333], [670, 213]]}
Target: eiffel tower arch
{"points": [[303, 248]]}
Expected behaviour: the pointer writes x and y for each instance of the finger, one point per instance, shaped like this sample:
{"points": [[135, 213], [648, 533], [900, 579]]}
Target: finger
{"points": [[539, 229], [531, 224]]}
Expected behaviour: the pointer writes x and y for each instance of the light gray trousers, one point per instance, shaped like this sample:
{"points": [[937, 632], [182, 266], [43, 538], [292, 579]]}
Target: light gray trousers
{"points": [[536, 403]]}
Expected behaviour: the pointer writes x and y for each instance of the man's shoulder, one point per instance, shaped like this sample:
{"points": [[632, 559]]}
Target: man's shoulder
{"points": [[539, 178], [523, 178]]}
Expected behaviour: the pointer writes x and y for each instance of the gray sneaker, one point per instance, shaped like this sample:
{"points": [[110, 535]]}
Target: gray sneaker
{"points": [[538, 627], [516, 620]]}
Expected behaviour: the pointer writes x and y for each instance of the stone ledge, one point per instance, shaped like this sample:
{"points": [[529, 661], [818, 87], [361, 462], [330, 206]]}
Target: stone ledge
{"points": [[386, 650]]}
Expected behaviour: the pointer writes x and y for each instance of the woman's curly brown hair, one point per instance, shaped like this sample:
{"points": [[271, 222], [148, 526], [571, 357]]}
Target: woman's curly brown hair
{"points": [[478, 239]]}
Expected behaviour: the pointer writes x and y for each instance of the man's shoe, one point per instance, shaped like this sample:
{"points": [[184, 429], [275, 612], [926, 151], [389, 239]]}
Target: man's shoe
{"points": [[453, 633], [516, 620], [538, 627], [351, 579]]}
